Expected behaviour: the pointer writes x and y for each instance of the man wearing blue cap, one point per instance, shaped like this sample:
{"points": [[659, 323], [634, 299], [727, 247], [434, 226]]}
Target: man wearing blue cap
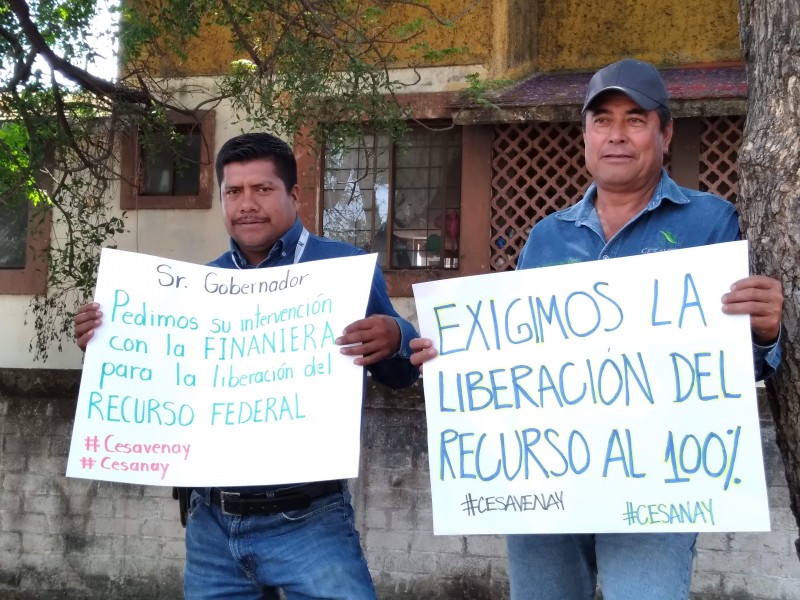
{"points": [[632, 207]]}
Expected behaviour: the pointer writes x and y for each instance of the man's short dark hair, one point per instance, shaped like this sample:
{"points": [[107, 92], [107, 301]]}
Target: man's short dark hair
{"points": [[259, 146]]}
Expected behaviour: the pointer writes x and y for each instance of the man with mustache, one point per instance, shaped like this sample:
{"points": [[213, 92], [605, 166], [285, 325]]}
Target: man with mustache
{"points": [[299, 538], [632, 207]]}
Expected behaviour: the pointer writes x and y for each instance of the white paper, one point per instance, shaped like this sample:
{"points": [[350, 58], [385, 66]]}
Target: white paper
{"points": [[605, 396], [200, 376]]}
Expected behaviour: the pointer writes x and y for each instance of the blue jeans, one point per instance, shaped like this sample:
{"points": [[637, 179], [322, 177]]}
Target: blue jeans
{"points": [[628, 566], [312, 553]]}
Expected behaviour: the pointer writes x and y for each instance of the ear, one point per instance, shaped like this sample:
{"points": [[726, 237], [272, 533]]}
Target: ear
{"points": [[295, 194], [666, 135]]}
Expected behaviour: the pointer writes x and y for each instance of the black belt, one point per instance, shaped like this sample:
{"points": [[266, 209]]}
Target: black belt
{"points": [[270, 503]]}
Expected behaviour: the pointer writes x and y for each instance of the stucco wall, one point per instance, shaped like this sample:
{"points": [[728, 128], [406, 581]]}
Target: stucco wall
{"points": [[587, 34], [73, 538], [511, 38], [211, 52]]}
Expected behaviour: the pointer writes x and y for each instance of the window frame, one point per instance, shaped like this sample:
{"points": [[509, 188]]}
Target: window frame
{"points": [[131, 166]]}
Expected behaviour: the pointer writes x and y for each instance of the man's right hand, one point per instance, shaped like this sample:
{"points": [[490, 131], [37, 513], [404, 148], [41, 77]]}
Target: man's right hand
{"points": [[86, 321]]}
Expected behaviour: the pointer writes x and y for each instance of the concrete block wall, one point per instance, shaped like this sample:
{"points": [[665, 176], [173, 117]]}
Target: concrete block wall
{"points": [[393, 511], [73, 538]]}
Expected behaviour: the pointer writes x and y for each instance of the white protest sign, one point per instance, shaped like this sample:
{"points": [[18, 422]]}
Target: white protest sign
{"points": [[606, 396], [200, 376]]}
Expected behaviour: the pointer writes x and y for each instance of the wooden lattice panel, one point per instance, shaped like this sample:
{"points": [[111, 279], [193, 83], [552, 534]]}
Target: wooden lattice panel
{"points": [[537, 169], [719, 147]]}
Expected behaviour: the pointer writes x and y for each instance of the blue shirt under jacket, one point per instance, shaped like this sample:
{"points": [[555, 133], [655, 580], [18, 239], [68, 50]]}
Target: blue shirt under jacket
{"points": [[396, 371], [675, 217]]}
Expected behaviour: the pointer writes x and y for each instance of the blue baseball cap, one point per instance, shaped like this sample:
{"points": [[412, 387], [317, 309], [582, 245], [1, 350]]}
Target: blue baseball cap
{"points": [[638, 80]]}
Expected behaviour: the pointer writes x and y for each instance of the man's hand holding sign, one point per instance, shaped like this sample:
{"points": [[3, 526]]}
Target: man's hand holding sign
{"points": [[762, 299]]}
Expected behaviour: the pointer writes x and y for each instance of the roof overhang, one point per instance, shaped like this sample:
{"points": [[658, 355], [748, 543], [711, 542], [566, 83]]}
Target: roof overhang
{"points": [[694, 91]]}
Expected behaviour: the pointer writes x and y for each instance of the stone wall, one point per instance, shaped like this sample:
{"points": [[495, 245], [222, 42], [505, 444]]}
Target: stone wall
{"points": [[74, 538]]}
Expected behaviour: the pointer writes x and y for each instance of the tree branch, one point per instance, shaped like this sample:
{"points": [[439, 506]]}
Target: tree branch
{"points": [[237, 29], [22, 70], [84, 79]]}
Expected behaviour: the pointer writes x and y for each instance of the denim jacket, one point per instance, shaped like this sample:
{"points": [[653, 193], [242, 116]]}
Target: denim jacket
{"points": [[395, 371], [675, 217]]}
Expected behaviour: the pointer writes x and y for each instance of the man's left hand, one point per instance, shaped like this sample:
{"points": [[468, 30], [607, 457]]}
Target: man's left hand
{"points": [[372, 339], [762, 298]]}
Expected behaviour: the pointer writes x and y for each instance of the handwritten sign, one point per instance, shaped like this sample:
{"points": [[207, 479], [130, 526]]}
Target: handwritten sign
{"points": [[607, 396], [201, 376]]}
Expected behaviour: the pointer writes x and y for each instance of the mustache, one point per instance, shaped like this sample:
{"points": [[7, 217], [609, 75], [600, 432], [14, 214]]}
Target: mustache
{"points": [[248, 220]]}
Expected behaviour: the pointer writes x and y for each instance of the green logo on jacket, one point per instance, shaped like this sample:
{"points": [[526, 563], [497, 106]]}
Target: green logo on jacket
{"points": [[671, 239]]}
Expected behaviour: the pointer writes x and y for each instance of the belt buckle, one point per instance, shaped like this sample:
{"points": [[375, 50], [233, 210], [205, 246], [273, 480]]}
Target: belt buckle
{"points": [[225, 497]]}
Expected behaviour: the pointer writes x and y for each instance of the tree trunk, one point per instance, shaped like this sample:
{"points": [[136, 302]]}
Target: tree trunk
{"points": [[769, 204]]}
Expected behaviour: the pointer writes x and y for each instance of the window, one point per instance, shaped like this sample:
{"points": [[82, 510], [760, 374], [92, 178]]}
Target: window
{"points": [[160, 177], [402, 201], [13, 235], [164, 174], [24, 236]]}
